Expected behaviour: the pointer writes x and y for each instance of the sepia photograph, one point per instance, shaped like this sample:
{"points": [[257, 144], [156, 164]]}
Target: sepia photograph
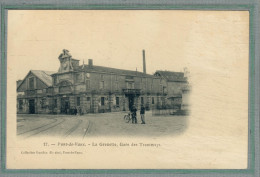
{"points": [[91, 96], [127, 89]]}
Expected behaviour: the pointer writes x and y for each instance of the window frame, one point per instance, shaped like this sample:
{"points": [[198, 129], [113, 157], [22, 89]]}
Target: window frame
{"points": [[117, 101], [20, 104], [102, 101], [142, 100], [78, 101], [55, 103]]}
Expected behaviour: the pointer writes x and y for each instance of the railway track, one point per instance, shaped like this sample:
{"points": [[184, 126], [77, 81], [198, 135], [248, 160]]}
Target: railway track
{"points": [[73, 128], [38, 130], [38, 127], [87, 129], [57, 126]]}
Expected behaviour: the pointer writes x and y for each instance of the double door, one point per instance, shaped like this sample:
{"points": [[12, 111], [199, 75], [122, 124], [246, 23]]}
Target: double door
{"points": [[65, 105], [31, 106]]}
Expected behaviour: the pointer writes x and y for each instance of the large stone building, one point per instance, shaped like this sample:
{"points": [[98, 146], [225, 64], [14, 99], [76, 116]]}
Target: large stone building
{"points": [[96, 89]]}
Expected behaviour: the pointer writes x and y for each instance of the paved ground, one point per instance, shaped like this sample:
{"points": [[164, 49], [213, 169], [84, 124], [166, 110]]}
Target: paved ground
{"points": [[106, 124]]}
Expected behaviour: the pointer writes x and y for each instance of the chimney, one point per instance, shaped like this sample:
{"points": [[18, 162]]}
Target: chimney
{"points": [[144, 65], [90, 63]]}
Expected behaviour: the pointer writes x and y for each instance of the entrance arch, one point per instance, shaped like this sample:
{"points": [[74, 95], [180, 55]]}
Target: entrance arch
{"points": [[65, 86]]}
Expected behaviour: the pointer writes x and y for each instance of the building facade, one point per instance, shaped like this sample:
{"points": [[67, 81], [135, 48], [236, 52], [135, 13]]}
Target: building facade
{"points": [[96, 89]]}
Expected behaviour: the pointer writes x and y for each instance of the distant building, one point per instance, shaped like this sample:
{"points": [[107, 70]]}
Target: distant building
{"points": [[172, 85], [96, 89]]}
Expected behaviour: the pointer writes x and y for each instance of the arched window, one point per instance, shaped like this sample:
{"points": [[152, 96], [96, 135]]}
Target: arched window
{"points": [[65, 86]]}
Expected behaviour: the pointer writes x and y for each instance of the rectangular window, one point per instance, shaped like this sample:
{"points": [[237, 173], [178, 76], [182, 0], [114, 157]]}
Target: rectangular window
{"points": [[130, 85], [116, 85], [142, 100], [133, 85], [31, 83], [102, 77], [80, 77], [144, 83], [43, 103], [77, 78], [88, 98], [117, 101], [152, 100], [129, 77], [54, 80], [102, 101], [102, 85], [78, 101], [55, 103], [116, 78], [20, 104]]}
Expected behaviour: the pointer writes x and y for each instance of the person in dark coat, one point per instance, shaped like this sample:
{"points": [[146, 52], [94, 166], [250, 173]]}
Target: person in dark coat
{"points": [[134, 120], [142, 113], [75, 111]]}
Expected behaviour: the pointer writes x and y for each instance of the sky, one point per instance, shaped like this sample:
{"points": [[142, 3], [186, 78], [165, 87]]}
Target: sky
{"points": [[172, 39], [116, 38]]}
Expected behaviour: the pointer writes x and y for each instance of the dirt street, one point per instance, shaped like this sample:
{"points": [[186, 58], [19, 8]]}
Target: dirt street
{"points": [[103, 124]]}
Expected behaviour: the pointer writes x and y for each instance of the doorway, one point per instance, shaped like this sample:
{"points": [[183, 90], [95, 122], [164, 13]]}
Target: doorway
{"points": [[31, 107], [131, 99], [65, 105]]}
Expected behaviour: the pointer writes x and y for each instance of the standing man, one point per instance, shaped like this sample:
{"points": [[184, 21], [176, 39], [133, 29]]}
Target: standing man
{"points": [[142, 113], [134, 120]]}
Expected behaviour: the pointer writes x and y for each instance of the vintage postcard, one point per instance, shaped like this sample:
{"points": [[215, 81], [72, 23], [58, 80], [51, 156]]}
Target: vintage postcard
{"points": [[127, 89]]}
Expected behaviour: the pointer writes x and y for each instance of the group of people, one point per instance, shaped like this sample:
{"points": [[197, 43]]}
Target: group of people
{"points": [[76, 111], [134, 116]]}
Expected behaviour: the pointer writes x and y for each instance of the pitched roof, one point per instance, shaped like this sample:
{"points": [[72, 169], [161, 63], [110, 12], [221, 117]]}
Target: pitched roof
{"points": [[95, 68], [44, 76], [18, 83], [172, 76]]}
